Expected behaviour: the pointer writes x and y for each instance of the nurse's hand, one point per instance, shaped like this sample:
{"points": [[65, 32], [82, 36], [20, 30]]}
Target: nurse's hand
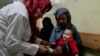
{"points": [[42, 49], [56, 52]]}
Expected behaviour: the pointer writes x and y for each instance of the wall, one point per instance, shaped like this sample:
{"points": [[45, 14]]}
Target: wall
{"points": [[5, 2], [85, 14], [86, 17]]}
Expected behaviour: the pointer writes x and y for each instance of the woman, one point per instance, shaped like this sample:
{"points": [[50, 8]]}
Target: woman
{"points": [[17, 22], [47, 29], [63, 19]]}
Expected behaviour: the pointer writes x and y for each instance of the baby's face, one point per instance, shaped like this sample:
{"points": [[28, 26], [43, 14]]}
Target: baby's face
{"points": [[67, 33]]}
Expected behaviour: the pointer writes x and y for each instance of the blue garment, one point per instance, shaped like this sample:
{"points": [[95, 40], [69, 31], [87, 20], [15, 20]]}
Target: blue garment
{"points": [[58, 30], [60, 11], [57, 33]]}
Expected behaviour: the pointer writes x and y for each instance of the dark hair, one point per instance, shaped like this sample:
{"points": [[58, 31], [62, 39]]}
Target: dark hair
{"points": [[68, 17], [70, 28], [45, 32], [66, 12], [47, 22], [48, 7]]}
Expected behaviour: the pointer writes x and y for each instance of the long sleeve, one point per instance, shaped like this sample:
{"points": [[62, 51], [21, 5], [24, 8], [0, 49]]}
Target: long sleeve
{"points": [[60, 42], [52, 37], [73, 46], [18, 32], [3, 26], [55, 35]]}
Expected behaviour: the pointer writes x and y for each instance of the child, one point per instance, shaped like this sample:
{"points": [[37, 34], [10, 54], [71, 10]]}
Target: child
{"points": [[67, 39]]}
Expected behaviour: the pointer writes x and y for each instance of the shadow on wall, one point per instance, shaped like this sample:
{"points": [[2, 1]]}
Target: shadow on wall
{"points": [[5, 2]]}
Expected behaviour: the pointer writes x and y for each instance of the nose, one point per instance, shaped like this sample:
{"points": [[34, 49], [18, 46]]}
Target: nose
{"points": [[61, 21]]}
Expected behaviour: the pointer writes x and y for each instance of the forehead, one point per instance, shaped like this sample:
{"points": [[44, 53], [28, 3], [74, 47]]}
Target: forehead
{"points": [[68, 31], [63, 15]]}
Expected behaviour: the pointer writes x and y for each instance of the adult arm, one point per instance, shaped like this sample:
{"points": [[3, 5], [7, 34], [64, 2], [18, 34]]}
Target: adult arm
{"points": [[18, 25]]}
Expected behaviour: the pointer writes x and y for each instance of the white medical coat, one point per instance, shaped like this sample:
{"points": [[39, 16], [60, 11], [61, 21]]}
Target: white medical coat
{"points": [[15, 31]]}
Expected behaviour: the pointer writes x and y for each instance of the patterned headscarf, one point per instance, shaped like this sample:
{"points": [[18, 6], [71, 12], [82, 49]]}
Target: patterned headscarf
{"points": [[34, 6], [61, 11]]}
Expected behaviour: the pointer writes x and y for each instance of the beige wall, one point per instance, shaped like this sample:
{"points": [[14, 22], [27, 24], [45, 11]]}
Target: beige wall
{"points": [[85, 15]]}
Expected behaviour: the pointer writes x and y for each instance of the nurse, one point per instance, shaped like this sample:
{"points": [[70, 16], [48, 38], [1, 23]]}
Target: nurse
{"points": [[17, 25]]}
